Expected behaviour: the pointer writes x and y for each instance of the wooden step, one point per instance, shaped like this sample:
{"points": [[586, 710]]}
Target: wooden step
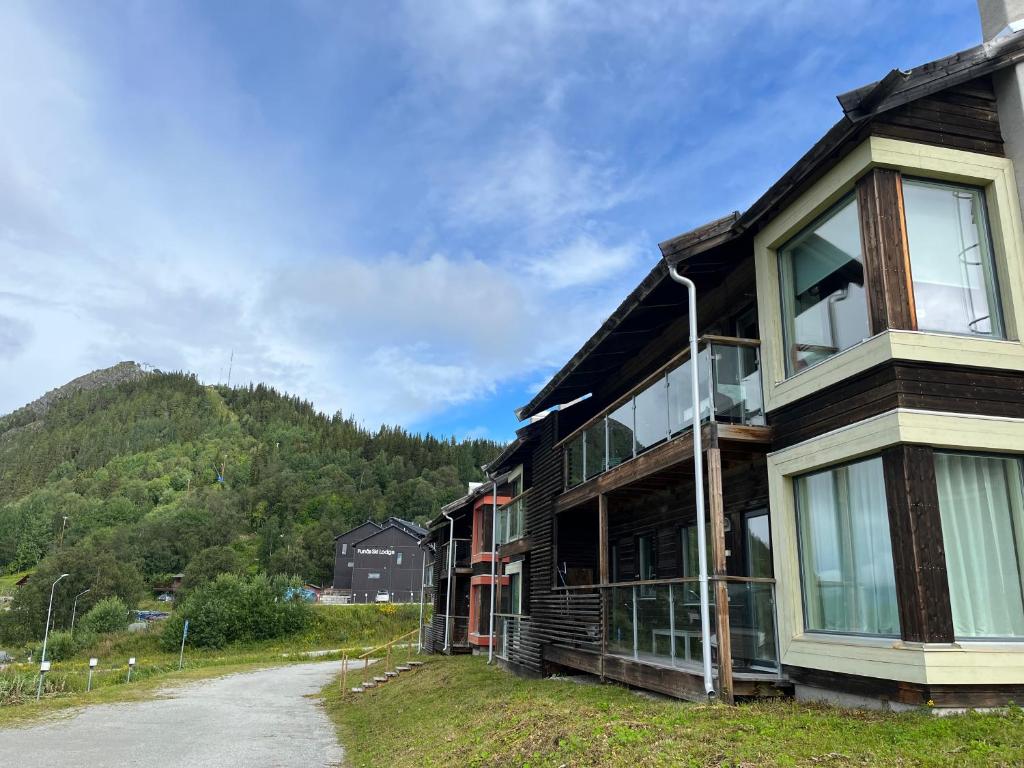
{"points": [[415, 663], [380, 679], [357, 689], [369, 684], [403, 668]]}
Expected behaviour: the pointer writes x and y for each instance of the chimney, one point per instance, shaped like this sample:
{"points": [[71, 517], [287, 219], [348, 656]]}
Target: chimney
{"points": [[999, 18]]}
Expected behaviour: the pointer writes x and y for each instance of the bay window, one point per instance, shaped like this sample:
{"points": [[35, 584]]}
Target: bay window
{"points": [[846, 561], [823, 299], [951, 261], [981, 504]]}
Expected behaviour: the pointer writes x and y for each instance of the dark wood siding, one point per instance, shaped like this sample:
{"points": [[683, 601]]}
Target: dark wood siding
{"points": [[899, 384], [962, 117], [918, 556]]}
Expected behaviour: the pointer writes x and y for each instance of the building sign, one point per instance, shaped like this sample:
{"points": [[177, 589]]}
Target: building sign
{"points": [[375, 551]]}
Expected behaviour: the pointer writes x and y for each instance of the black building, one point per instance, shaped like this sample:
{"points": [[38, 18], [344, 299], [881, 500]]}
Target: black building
{"points": [[377, 562], [344, 560]]}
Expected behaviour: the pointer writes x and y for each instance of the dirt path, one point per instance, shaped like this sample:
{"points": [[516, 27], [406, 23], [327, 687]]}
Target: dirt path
{"points": [[258, 719]]}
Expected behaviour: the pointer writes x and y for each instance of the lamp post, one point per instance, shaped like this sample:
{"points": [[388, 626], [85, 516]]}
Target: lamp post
{"points": [[74, 609], [43, 666]]}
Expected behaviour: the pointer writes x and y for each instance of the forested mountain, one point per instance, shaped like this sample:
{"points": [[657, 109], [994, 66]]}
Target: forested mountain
{"points": [[153, 469]]}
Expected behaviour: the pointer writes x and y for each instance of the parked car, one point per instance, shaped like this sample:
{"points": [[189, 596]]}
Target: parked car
{"points": [[383, 596]]}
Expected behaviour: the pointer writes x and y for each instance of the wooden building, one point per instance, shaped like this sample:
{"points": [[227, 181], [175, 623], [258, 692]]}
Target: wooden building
{"points": [[462, 570], [380, 562], [862, 415]]}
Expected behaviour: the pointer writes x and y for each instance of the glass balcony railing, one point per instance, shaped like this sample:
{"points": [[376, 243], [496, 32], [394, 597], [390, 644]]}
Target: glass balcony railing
{"points": [[461, 553], [660, 623], [729, 379]]}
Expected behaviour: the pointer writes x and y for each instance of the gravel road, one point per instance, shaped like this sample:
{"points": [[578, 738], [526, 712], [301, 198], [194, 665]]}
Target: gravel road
{"points": [[261, 719]]}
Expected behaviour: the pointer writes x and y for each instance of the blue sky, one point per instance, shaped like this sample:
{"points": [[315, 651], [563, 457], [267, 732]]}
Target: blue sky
{"points": [[410, 211]]}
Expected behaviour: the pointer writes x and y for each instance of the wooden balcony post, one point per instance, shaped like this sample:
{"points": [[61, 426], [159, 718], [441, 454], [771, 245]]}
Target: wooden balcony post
{"points": [[716, 510], [602, 560]]}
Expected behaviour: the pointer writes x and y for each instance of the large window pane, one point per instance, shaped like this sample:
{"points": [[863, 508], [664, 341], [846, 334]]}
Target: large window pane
{"points": [[951, 259], [980, 501], [845, 551], [822, 271], [680, 401]]}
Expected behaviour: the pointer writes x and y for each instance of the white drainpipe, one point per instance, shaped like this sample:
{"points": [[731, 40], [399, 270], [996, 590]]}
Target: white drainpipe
{"points": [[494, 560], [698, 475], [423, 578], [451, 569]]}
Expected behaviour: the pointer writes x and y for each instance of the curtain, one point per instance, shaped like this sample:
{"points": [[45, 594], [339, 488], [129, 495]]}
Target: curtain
{"points": [[845, 550], [980, 503]]}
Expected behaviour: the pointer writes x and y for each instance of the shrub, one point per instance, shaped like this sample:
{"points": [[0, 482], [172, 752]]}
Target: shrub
{"points": [[108, 615], [233, 609], [60, 646]]}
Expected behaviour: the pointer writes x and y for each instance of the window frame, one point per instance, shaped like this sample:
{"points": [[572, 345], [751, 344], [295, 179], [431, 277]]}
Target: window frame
{"points": [[787, 302], [800, 553], [1018, 459], [995, 291]]}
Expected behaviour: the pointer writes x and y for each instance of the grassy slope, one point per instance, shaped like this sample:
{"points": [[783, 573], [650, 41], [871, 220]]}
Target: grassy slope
{"points": [[458, 711]]}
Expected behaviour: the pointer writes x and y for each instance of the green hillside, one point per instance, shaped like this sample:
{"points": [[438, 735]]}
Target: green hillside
{"points": [[154, 471]]}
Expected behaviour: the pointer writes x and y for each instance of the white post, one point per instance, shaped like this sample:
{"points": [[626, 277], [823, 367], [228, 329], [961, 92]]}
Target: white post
{"points": [[181, 655], [451, 568], [698, 479], [494, 560], [423, 578], [46, 631]]}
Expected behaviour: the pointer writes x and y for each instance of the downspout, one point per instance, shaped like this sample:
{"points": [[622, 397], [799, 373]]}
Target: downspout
{"points": [[451, 568], [494, 560], [698, 475], [423, 578]]}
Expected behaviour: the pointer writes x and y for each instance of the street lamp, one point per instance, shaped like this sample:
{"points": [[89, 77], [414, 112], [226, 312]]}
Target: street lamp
{"points": [[74, 608], [46, 635]]}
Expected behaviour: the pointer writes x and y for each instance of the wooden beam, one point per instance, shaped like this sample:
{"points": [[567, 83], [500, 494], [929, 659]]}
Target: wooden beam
{"points": [[919, 561], [602, 537], [716, 511], [883, 236]]}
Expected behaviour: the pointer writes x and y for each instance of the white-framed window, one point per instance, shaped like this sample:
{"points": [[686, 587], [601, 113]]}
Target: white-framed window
{"points": [[351, 564], [512, 593], [512, 517], [824, 306], [398, 559], [373, 575], [981, 504], [951, 261], [344, 548], [846, 565]]}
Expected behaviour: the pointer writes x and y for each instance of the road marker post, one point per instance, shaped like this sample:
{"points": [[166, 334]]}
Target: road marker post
{"points": [[131, 664], [181, 656], [92, 666], [44, 667]]}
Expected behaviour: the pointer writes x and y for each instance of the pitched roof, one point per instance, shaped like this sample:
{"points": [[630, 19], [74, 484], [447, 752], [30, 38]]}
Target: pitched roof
{"points": [[603, 352], [350, 531], [415, 530]]}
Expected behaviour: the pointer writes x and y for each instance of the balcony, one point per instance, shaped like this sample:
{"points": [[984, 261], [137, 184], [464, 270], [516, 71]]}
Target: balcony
{"points": [[460, 549], [508, 633], [729, 378], [511, 520], [659, 623], [458, 631]]}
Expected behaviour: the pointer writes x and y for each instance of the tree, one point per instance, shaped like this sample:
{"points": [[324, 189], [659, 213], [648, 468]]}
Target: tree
{"points": [[207, 565], [108, 615]]}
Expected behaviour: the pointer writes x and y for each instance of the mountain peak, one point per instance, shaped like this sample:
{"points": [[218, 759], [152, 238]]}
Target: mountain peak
{"points": [[127, 370]]}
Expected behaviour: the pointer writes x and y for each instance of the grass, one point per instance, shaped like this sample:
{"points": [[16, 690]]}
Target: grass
{"points": [[459, 711], [342, 629]]}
